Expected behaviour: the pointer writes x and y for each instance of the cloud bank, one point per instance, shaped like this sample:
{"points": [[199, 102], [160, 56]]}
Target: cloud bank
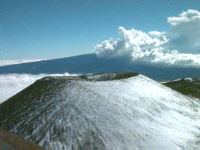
{"points": [[178, 47], [12, 62], [11, 84]]}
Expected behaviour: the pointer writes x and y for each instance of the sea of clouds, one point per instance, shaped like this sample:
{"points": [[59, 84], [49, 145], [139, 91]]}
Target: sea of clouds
{"points": [[178, 47], [11, 84], [12, 62]]}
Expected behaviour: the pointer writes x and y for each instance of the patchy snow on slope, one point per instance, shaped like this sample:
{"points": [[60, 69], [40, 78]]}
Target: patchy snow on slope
{"points": [[170, 81], [189, 79], [134, 112], [142, 108]]}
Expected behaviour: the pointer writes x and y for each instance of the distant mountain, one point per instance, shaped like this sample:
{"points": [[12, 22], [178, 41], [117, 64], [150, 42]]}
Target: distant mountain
{"points": [[103, 110], [189, 87], [91, 64]]}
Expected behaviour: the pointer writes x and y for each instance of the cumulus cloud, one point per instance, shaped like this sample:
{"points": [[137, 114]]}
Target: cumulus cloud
{"points": [[185, 32], [179, 46], [156, 33], [11, 84], [133, 41], [185, 17]]}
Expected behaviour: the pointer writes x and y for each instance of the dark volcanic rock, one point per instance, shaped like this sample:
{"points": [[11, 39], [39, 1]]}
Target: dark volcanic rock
{"points": [[189, 87]]}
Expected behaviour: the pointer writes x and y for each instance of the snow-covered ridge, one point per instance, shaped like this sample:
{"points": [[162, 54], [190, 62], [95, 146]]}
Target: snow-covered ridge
{"points": [[131, 112]]}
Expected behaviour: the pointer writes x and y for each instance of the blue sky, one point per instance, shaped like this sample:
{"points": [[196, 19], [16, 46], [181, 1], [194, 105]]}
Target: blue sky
{"points": [[61, 28]]}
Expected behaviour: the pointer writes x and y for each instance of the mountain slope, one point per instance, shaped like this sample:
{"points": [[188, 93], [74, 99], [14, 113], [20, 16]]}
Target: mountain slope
{"points": [[117, 109], [91, 64]]}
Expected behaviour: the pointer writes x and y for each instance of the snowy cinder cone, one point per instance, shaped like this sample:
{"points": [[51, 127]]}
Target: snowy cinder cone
{"points": [[109, 111]]}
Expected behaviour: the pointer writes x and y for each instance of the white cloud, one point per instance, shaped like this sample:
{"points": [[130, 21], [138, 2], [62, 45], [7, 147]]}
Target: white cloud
{"points": [[189, 16], [133, 41], [11, 62], [11, 84], [180, 46], [156, 33], [185, 32]]}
